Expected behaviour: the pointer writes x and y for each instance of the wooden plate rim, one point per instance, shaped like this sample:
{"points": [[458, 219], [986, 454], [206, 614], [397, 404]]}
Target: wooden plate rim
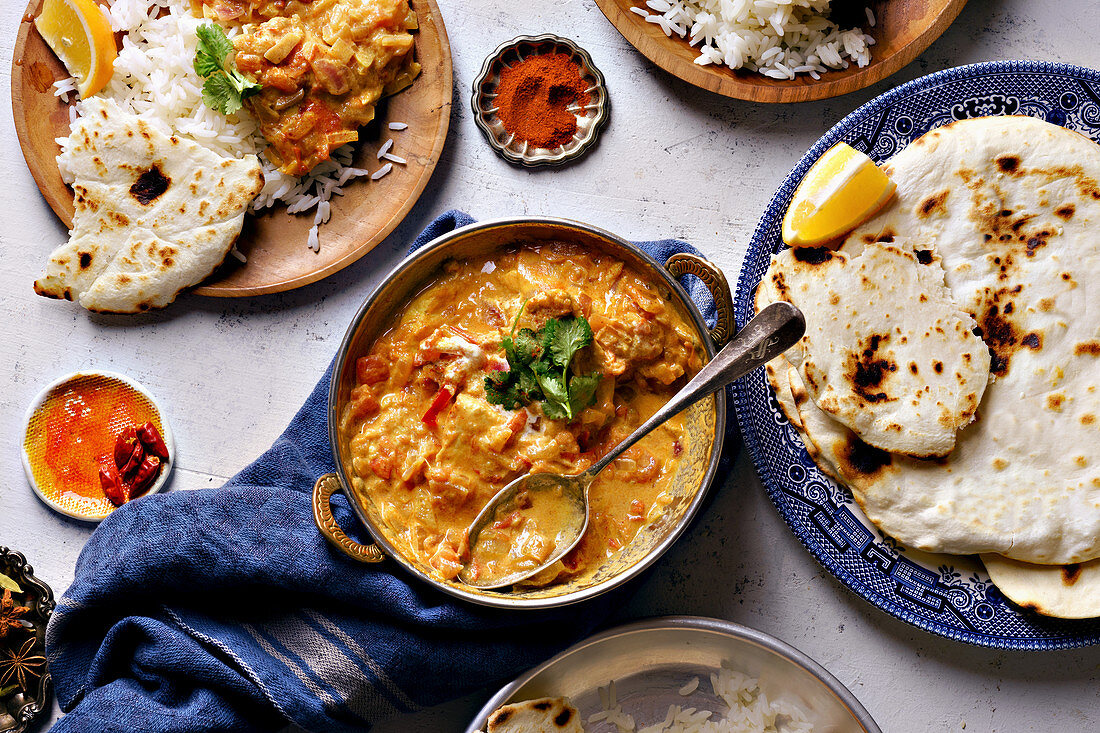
{"points": [[725, 82], [61, 205]]}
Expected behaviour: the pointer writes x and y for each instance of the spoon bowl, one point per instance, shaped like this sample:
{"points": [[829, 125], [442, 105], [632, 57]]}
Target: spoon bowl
{"points": [[560, 503]]}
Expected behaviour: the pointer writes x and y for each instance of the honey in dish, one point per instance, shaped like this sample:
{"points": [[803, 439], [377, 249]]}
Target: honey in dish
{"points": [[428, 450], [73, 433]]}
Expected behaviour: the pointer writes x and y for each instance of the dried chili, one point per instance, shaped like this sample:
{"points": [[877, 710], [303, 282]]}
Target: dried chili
{"points": [[534, 98]]}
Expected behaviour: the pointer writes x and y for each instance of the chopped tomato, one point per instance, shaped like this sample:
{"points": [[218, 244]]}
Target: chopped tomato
{"points": [[382, 466], [517, 422], [363, 403], [371, 369], [637, 510], [508, 521], [441, 400]]}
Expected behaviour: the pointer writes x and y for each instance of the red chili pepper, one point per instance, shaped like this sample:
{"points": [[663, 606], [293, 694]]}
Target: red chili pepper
{"points": [[441, 400], [124, 446], [145, 476], [150, 437], [132, 464], [112, 487]]}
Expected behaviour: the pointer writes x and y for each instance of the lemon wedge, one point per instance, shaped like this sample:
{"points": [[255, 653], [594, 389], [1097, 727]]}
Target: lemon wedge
{"points": [[843, 189], [80, 35]]}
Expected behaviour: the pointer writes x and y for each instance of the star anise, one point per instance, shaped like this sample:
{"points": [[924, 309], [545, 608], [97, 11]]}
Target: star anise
{"points": [[18, 665], [10, 614]]}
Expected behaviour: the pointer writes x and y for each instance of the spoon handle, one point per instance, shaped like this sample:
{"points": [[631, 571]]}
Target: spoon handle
{"points": [[771, 332]]}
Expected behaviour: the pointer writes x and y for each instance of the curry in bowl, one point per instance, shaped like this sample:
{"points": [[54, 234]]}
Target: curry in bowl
{"points": [[539, 356]]}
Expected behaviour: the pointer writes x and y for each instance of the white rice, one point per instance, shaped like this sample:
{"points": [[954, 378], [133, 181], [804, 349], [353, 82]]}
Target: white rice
{"points": [[777, 38], [154, 78], [748, 710]]}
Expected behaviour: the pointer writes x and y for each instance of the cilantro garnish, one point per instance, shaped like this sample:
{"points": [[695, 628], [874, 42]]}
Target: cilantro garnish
{"points": [[225, 88], [539, 369]]}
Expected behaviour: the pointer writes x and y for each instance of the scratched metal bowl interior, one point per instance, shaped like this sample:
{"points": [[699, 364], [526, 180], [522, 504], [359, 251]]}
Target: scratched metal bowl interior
{"points": [[591, 114], [652, 660]]}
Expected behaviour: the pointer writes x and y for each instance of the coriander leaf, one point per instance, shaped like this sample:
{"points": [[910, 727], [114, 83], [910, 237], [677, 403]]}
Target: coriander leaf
{"points": [[219, 94], [568, 337], [539, 369], [213, 49], [501, 394], [554, 411], [582, 392], [557, 396], [224, 88], [547, 334], [527, 386], [543, 367], [526, 347]]}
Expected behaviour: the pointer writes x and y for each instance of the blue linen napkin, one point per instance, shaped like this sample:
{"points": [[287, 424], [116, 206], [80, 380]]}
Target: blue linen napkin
{"points": [[225, 609]]}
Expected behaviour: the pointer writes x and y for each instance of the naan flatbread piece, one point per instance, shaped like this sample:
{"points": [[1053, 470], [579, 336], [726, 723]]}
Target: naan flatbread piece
{"points": [[1010, 207], [154, 213], [887, 352], [544, 715], [776, 374], [1062, 591]]}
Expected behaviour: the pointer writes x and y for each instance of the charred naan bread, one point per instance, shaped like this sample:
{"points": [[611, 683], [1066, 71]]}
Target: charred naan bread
{"points": [[544, 715], [1064, 591], [886, 351], [1009, 206], [154, 214]]}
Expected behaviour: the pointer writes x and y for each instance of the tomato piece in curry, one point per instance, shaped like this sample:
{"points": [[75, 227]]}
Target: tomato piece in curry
{"points": [[323, 66], [428, 450]]}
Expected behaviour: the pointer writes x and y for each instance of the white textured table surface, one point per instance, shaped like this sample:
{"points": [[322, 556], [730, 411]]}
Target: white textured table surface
{"points": [[674, 161]]}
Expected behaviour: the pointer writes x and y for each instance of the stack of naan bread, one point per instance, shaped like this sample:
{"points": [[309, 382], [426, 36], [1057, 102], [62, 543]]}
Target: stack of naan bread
{"points": [[154, 213], [950, 372]]}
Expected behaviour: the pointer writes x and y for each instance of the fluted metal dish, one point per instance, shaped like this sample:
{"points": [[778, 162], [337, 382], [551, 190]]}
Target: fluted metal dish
{"points": [[19, 710], [591, 117]]}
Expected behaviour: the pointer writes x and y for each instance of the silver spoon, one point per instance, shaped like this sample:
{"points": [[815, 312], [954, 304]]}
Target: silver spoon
{"points": [[774, 330]]}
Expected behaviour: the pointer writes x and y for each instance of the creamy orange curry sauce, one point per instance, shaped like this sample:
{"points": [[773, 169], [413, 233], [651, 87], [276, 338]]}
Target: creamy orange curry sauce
{"points": [[429, 450], [323, 65]]}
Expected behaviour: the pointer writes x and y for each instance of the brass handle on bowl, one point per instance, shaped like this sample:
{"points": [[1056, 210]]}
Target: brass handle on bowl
{"points": [[715, 281], [323, 490]]}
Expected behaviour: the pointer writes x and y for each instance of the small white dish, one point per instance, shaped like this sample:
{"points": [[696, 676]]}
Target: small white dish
{"points": [[57, 384]]}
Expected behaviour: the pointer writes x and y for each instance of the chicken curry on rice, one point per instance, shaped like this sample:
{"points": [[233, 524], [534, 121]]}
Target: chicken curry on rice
{"points": [[428, 449], [323, 66]]}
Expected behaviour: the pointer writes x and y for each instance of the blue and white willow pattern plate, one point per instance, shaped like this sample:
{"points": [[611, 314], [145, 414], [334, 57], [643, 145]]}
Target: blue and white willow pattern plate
{"points": [[947, 595]]}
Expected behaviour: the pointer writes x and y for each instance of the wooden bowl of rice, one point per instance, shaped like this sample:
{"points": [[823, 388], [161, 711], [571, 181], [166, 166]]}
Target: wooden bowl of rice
{"points": [[894, 32]]}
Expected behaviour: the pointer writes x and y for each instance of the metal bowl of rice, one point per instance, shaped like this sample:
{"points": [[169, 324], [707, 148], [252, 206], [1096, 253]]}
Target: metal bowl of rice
{"points": [[687, 674]]}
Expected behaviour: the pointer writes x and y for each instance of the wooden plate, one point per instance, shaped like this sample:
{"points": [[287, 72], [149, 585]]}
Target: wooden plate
{"points": [[903, 29], [274, 242]]}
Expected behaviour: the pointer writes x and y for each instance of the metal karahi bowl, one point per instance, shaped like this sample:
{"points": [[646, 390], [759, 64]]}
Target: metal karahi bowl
{"points": [[650, 661], [704, 422]]}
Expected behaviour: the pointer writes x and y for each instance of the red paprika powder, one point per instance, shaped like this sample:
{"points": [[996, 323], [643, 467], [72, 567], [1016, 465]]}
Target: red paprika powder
{"points": [[533, 97]]}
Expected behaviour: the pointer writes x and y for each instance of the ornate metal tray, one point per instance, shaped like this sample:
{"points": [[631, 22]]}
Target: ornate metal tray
{"points": [[19, 709]]}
